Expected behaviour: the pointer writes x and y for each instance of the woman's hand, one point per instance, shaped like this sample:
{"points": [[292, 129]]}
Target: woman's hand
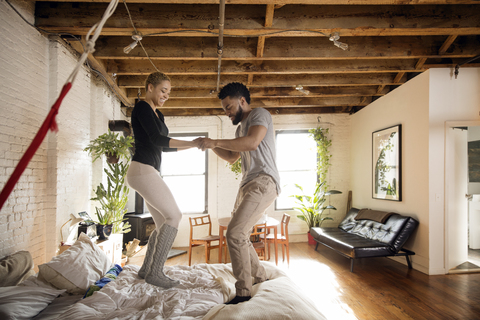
{"points": [[206, 143]]}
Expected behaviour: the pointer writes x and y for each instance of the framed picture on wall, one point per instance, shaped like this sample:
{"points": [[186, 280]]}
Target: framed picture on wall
{"points": [[386, 164]]}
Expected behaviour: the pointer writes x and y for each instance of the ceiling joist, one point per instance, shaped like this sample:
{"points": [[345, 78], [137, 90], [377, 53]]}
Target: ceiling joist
{"points": [[280, 49]]}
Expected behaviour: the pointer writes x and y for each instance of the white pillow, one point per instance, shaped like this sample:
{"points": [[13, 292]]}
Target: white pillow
{"points": [[25, 302], [77, 268]]}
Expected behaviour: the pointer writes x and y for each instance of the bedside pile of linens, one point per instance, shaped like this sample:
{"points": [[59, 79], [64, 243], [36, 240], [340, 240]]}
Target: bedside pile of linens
{"points": [[82, 283]]}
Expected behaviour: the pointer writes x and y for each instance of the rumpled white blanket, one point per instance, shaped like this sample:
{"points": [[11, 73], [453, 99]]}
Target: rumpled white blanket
{"points": [[130, 297], [202, 292], [279, 298]]}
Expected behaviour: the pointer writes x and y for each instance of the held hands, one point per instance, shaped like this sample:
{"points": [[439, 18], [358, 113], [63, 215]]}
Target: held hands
{"points": [[205, 143]]}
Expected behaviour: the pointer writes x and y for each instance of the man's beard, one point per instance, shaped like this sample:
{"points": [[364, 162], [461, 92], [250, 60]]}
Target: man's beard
{"points": [[238, 116]]}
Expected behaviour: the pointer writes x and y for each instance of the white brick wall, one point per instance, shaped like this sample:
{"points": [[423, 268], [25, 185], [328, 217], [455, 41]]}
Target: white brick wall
{"points": [[24, 94], [58, 180]]}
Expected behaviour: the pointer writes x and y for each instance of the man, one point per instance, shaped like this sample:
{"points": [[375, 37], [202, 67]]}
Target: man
{"points": [[255, 143]]}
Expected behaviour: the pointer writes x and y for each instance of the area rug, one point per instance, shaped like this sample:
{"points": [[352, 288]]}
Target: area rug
{"points": [[175, 252]]}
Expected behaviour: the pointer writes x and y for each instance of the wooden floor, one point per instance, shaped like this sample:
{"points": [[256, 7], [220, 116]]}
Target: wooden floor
{"points": [[378, 289]]}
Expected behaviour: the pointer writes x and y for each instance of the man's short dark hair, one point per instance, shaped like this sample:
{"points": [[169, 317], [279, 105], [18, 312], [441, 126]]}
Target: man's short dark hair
{"points": [[234, 90]]}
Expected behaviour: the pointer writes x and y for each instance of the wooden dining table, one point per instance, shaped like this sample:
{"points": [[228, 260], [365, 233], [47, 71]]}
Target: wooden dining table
{"points": [[272, 223]]}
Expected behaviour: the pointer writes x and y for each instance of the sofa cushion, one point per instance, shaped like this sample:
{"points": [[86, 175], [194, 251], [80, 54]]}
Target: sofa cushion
{"points": [[351, 245], [383, 232]]}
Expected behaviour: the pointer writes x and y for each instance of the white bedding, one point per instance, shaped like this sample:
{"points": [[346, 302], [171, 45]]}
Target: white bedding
{"points": [[202, 292], [130, 297]]}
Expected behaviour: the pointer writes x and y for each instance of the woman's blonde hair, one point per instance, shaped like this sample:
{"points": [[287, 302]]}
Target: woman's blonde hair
{"points": [[155, 79]]}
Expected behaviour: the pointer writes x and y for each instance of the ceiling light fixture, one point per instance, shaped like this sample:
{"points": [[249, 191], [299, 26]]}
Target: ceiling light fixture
{"points": [[300, 88], [132, 45], [334, 37]]}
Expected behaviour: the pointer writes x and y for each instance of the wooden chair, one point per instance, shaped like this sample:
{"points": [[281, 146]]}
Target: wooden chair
{"points": [[196, 222], [258, 237], [282, 238]]}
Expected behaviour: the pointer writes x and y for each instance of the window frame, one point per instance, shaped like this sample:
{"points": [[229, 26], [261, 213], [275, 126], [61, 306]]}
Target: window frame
{"points": [[193, 134], [291, 130]]}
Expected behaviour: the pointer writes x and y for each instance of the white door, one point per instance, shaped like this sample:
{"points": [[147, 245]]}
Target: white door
{"points": [[456, 219]]}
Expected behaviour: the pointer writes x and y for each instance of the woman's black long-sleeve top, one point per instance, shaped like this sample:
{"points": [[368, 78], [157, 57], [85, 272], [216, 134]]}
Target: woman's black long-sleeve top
{"points": [[151, 135]]}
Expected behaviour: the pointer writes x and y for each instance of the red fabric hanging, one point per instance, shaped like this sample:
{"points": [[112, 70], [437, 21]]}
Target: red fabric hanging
{"points": [[49, 123]]}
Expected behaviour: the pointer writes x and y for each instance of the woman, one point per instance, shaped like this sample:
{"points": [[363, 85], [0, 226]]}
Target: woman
{"points": [[151, 138]]}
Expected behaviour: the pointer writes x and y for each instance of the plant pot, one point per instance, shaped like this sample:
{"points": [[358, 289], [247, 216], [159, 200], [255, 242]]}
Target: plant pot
{"points": [[104, 231], [111, 158], [310, 239]]}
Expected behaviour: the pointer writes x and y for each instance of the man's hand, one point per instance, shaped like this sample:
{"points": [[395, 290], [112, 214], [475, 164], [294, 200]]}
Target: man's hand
{"points": [[206, 143]]}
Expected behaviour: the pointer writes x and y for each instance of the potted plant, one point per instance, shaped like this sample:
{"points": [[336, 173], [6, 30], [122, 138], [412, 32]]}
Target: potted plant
{"points": [[313, 207], [113, 145], [113, 196]]}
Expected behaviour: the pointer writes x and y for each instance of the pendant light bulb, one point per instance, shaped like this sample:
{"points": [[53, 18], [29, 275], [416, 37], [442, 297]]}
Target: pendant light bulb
{"points": [[300, 88], [131, 46], [334, 37]]}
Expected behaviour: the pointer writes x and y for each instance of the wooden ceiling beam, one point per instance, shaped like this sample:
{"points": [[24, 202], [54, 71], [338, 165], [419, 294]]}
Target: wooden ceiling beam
{"points": [[184, 112], [173, 67], [443, 49], [305, 20], [318, 80], [272, 32], [451, 65], [100, 68], [293, 102], [446, 45], [268, 23], [193, 93], [171, 48]]}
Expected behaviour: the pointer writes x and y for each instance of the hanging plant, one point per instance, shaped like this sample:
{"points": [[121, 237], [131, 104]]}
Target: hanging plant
{"points": [[236, 167], [111, 144], [320, 135], [313, 208]]}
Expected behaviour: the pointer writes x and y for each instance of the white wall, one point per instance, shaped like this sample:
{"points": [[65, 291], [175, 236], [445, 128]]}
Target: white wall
{"points": [[450, 100], [421, 106], [408, 106], [24, 93]]}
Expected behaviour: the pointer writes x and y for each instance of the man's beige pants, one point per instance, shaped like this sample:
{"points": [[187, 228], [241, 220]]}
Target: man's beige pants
{"points": [[252, 201]]}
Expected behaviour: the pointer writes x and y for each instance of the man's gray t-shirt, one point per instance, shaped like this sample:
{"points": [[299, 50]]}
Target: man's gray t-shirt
{"points": [[262, 160]]}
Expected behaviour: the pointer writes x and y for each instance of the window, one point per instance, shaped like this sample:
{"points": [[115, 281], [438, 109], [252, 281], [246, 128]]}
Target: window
{"points": [[185, 173], [297, 164]]}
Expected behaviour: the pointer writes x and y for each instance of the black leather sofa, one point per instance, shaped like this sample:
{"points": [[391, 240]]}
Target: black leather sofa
{"points": [[356, 239]]}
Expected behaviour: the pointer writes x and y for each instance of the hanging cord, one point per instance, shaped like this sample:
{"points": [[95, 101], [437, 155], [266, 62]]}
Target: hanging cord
{"points": [[140, 41], [49, 122], [90, 42]]}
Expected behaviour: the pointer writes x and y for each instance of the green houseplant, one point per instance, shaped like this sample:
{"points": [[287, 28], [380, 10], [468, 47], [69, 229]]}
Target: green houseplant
{"points": [[113, 196], [236, 167], [113, 145], [312, 207], [320, 135]]}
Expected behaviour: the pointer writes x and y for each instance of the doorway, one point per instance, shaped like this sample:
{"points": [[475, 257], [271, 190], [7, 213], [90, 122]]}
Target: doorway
{"points": [[462, 200]]}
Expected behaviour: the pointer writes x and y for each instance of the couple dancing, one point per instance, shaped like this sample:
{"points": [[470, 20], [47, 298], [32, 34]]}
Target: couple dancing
{"points": [[254, 143]]}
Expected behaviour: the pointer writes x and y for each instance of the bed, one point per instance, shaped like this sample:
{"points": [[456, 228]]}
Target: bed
{"points": [[59, 291]]}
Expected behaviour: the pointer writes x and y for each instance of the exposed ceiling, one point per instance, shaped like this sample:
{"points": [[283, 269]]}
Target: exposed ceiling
{"points": [[274, 47]]}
